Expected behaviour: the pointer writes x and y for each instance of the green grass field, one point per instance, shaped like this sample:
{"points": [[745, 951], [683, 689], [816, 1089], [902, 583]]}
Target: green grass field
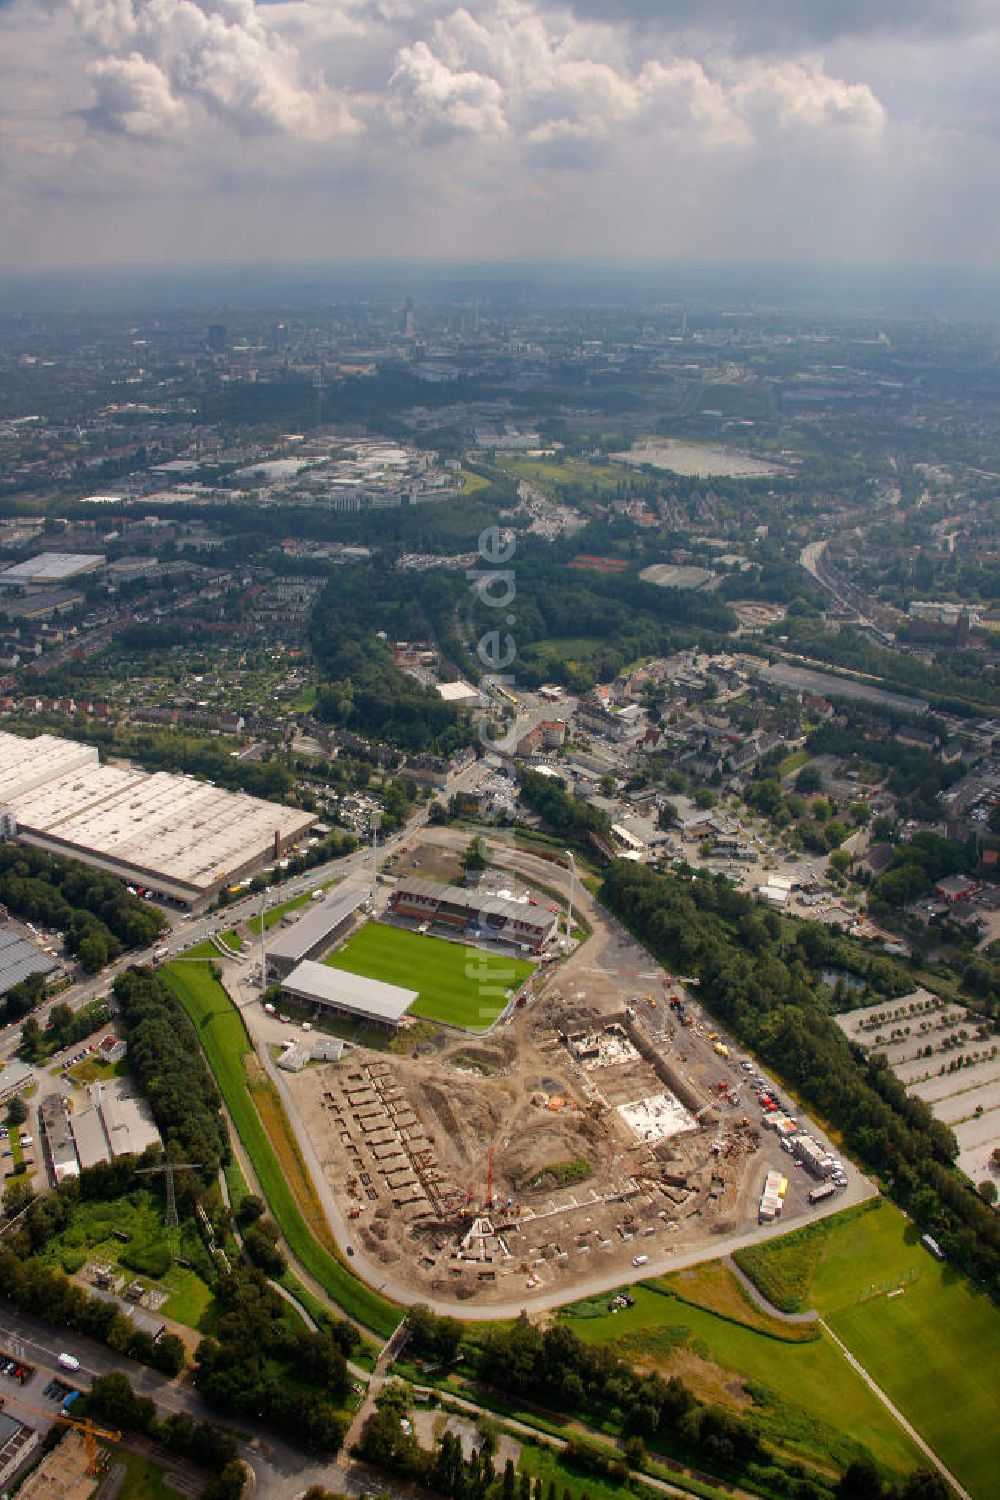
{"points": [[93, 1236], [274, 914], [226, 1044], [457, 985], [554, 478], [807, 1399], [471, 482], [934, 1349]]}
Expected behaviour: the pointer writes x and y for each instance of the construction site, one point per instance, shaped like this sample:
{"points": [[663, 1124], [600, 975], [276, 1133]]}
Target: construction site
{"points": [[568, 1142], [602, 1123]]}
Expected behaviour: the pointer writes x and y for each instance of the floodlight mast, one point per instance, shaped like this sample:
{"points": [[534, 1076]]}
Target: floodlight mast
{"points": [[263, 939], [375, 823], [569, 907]]}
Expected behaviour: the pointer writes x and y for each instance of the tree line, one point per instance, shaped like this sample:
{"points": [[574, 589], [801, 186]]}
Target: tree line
{"points": [[112, 1399], [94, 911], [168, 1062], [758, 977]]}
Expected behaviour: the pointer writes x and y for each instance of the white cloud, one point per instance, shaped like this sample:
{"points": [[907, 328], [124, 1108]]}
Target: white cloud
{"points": [[133, 95], [545, 78], [221, 56], [493, 126]]}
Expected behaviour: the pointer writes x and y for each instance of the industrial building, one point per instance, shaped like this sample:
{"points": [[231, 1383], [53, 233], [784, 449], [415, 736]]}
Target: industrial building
{"points": [[60, 1148], [19, 958], [28, 763], [475, 913], [317, 929], [17, 1442], [348, 994], [117, 1122], [52, 567], [180, 838]]}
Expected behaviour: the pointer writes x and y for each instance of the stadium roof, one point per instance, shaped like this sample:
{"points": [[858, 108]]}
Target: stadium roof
{"points": [[476, 903], [317, 922], [19, 958], [369, 998]]}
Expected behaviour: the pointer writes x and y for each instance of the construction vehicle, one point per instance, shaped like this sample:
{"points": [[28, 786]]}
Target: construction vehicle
{"points": [[91, 1432]]}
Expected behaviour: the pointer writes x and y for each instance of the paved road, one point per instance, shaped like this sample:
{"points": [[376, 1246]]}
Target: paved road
{"points": [[280, 1471], [278, 1468], [895, 1412]]}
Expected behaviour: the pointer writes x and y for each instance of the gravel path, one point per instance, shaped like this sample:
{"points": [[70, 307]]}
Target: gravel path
{"points": [[757, 1296]]}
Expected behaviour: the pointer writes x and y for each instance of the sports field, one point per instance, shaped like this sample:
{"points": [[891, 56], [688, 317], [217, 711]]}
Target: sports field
{"points": [[457, 985], [804, 1395], [934, 1347]]}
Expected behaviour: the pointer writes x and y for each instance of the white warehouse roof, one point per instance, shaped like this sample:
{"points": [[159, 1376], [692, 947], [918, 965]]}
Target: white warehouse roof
{"points": [[27, 763], [171, 832], [371, 999], [52, 567]]}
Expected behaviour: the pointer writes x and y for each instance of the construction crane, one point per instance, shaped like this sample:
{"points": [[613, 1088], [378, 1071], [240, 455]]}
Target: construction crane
{"points": [[166, 1170], [91, 1432], [489, 1178]]}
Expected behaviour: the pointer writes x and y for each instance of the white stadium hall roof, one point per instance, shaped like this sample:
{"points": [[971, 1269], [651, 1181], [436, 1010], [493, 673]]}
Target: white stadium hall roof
{"points": [[370, 999], [52, 567], [316, 923]]}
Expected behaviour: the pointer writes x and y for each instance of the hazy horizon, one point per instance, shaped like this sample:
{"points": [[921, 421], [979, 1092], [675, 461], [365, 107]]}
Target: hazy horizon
{"points": [[911, 292]]}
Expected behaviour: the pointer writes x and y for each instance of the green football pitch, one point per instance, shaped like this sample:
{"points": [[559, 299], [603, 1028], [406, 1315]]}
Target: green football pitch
{"points": [[457, 985], [923, 1332]]}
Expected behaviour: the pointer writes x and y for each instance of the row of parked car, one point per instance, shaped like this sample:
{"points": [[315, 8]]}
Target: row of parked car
{"points": [[14, 1369]]}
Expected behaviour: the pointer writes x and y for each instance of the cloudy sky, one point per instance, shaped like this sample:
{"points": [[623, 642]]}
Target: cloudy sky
{"points": [[814, 131]]}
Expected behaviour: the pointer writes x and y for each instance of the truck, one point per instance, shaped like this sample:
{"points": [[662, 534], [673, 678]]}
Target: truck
{"points": [[825, 1190], [640, 1260], [720, 1048], [68, 1361]]}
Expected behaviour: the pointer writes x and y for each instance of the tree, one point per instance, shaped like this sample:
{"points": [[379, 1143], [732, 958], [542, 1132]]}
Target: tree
{"points": [[808, 781], [228, 1484], [475, 860], [924, 1484], [861, 1480], [17, 1194], [988, 1191], [93, 951], [250, 1210], [17, 1110], [31, 1040]]}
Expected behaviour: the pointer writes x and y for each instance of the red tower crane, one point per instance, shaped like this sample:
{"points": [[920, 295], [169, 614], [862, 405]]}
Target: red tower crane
{"points": [[489, 1178]]}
